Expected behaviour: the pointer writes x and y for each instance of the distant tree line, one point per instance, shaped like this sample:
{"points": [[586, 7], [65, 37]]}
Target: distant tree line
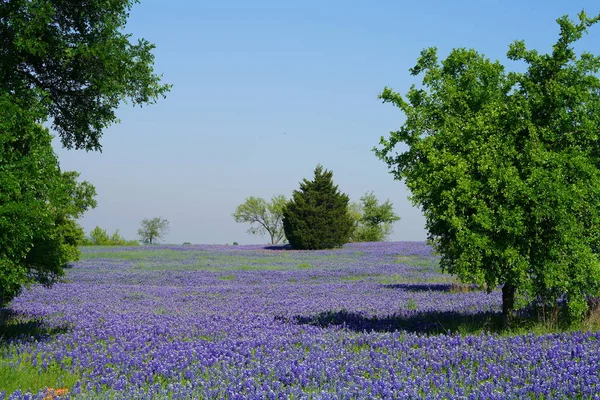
{"points": [[99, 237], [318, 216], [151, 231]]}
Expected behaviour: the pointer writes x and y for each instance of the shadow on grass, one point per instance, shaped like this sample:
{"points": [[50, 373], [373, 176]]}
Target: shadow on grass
{"points": [[433, 287], [421, 287], [17, 326], [280, 247], [416, 322]]}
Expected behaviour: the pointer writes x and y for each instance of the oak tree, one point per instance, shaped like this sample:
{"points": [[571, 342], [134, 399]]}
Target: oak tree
{"points": [[75, 60], [70, 64], [39, 204], [505, 167], [153, 230], [263, 217], [373, 222]]}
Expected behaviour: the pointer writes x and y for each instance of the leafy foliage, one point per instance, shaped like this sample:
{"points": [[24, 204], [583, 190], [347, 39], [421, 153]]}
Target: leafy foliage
{"points": [[153, 230], [317, 215], [505, 167], [263, 217], [373, 222], [38, 203], [74, 60], [99, 237], [71, 63]]}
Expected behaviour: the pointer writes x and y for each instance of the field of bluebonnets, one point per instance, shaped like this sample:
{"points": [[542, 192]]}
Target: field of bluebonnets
{"points": [[370, 320]]}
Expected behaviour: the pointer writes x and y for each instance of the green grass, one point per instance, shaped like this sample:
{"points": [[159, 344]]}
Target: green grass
{"points": [[17, 372], [144, 259], [135, 295], [157, 265], [27, 377], [142, 254], [417, 261], [206, 294], [253, 268], [359, 347], [411, 304], [355, 278], [395, 279]]}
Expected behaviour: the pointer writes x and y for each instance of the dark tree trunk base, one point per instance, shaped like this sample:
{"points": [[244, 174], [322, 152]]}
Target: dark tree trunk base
{"points": [[508, 304]]}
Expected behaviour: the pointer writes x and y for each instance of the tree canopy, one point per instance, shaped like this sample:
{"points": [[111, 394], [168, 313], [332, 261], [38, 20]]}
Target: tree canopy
{"points": [[100, 237], [153, 230], [505, 167], [263, 217], [69, 63], [73, 59], [316, 217], [373, 222], [38, 204]]}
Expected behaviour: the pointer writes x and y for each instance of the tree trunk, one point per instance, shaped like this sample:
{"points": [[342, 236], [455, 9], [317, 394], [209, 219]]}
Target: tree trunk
{"points": [[508, 304]]}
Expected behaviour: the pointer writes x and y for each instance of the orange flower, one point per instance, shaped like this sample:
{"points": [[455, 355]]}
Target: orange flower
{"points": [[51, 394]]}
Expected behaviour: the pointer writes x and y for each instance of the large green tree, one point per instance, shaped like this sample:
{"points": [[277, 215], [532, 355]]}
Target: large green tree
{"points": [[505, 167], [74, 59], [373, 222], [71, 64], [38, 204], [316, 217], [263, 217]]}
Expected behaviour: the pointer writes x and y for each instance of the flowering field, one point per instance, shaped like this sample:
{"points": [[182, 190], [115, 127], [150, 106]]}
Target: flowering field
{"points": [[374, 320]]}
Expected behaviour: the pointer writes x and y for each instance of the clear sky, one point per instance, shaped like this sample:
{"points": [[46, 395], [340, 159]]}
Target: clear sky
{"points": [[265, 90]]}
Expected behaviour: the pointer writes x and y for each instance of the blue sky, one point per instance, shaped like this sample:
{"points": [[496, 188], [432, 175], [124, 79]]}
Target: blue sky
{"points": [[265, 90]]}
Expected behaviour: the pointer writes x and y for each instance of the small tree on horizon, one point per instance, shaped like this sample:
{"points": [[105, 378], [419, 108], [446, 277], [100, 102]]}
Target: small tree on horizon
{"points": [[97, 237], [263, 217], [317, 215], [372, 221], [100, 237], [153, 230]]}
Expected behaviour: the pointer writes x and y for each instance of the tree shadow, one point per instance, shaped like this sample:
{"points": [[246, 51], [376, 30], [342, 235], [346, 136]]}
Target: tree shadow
{"points": [[411, 321], [15, 326], [280, 247], [421, 287], [433, 287]]}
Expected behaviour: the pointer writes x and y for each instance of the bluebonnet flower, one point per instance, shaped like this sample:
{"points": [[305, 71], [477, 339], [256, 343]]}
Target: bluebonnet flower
{"points": [[249, 322]]}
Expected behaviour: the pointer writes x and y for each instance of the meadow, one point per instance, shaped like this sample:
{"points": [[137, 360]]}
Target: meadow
{"points": [[369, 320]]}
